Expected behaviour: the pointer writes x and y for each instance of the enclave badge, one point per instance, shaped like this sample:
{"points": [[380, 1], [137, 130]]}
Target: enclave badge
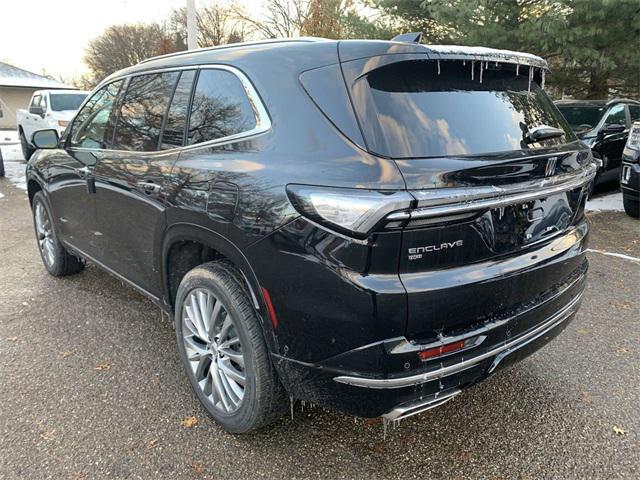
{"points": [[416, 253]]}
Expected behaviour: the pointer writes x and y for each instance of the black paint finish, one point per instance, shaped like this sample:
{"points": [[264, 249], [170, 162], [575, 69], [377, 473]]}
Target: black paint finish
{"points": [[338, 300]]}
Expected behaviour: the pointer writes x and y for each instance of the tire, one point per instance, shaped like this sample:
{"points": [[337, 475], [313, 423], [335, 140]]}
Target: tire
{"points": [[1, 165], [631, 206], [211, 351], [27, 150], [57, 260]]}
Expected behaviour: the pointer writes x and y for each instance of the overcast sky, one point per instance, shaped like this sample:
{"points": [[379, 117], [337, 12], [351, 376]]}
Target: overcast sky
{"points": [[52, 34]]}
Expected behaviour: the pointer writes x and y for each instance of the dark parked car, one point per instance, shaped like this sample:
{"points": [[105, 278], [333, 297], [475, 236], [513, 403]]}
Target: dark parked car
{"points": [[604, 127], [369, 226], [630, 175]]}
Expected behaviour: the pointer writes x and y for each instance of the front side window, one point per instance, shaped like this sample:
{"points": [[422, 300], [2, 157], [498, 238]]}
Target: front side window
{"points": [[142, 111], [176, 122], [616, 116], [220, 107], [410, 109], [66, 101], [90, 128]]}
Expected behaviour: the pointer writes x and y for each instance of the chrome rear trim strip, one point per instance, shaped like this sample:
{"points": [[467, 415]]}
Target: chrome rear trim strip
{"points": [[410, 409], [469, 201], [401, 382]]}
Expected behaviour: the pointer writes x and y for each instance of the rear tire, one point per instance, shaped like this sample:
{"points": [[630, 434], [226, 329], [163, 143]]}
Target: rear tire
{"points": [[57, 260], [223, 350], [27, 150], [631, 206]]}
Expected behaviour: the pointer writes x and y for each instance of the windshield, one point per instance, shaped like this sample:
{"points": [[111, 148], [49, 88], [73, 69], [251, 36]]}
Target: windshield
{"points": [[409, 109], [66, 101], [583, 117]]}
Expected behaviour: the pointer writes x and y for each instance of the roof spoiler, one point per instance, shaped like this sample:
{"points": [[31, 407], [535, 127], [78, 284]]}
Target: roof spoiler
{"points": [[413, 37]]}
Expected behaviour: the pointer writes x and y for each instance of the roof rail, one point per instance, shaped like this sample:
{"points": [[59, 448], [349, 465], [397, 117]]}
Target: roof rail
{"points": [[622, 100], [232, 45], [413, 37]]}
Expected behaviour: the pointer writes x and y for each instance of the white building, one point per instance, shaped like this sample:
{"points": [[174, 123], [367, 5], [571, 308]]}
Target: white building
{"points": [[16, 88]]}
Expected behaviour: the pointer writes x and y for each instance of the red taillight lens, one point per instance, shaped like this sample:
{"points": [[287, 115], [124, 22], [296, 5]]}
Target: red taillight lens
{"points": [[441, 350]]}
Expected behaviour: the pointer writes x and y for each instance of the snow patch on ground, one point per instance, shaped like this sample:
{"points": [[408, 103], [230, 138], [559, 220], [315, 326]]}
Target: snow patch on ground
{"points": [[607, 203], [8, 136], [14, 164]]}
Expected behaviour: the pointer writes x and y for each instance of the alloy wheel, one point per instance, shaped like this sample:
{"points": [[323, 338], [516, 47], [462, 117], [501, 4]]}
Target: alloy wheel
{"points": [[214, 350], [44, 232]]}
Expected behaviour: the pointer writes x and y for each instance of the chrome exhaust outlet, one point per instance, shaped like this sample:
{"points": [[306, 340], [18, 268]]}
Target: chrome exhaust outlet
{"points": [[413, 408]]}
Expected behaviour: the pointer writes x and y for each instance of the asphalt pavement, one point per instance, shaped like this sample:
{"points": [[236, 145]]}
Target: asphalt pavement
{"points": [[91, 387]]}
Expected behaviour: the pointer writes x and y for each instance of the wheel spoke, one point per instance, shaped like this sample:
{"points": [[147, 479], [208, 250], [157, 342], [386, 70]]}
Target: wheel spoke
{"points": [[232, 355], [195, 350], [215, 374], [193, 311], [226, 325], [204, 305], [231, 372], [228, 389]]}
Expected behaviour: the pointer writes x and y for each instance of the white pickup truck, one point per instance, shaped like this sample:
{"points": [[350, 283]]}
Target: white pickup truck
{"points": [[47, 109]]}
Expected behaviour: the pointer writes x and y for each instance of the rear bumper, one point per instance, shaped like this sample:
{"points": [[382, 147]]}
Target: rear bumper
{"points": [[496, 354], [346, 383]]}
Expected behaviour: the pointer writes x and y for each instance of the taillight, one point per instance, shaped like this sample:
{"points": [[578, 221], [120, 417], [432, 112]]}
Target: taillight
{"points": [[355, 212], [632, 148]]}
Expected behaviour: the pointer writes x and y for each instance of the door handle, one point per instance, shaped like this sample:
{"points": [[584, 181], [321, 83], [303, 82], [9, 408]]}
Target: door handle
{"points": [[150, 187]]}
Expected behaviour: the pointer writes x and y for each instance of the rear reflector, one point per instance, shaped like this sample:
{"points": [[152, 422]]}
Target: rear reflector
{"points": [[442, 350], [270, 310]]}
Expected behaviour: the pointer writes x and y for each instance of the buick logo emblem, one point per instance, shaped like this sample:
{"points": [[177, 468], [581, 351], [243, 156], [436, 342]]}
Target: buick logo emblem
{"points": [[550, 168]]}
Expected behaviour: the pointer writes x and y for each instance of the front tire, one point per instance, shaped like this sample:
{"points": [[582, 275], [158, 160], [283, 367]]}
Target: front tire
{"points": [[27, 150], [57, 260], [223, 350]]}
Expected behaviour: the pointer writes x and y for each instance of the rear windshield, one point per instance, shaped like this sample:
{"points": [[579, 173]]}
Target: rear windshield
{"points": [[583, 117], [66, 101], [408, 109]]}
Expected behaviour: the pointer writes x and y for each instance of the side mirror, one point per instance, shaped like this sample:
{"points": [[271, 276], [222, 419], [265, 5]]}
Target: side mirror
{"points": [[612, 128], [36, 111], [45, 139]]}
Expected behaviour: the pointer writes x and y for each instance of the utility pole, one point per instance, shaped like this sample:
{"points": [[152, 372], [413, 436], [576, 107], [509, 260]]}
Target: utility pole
{"points": [[192, 26]]}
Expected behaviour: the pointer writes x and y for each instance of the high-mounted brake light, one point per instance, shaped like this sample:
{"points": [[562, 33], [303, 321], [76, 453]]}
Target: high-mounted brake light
{"points": [[348, 210]]}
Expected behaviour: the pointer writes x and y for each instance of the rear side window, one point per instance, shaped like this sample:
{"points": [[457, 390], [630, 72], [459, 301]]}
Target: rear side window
{"points": [[91, 127], [142, 111], [176, 122], [66, 101], [220, 107], [634, 111], [408, 109]]}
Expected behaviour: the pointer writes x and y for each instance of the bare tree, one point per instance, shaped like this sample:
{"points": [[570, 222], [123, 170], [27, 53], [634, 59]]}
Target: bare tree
{"points": [[315, 18], [217, 24], [282, 18], [121, 46]]}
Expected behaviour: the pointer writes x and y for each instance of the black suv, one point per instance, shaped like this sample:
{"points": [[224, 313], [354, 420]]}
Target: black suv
{"points": [[604, 127], [630, 175], [369, 226]]}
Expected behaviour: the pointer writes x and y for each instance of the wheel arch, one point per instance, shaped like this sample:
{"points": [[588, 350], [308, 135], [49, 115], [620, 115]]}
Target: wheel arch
{"points": [[224, 249]]}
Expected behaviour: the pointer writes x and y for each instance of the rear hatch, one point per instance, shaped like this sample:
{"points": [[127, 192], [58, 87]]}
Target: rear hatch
{"points": [[497, 173]]}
